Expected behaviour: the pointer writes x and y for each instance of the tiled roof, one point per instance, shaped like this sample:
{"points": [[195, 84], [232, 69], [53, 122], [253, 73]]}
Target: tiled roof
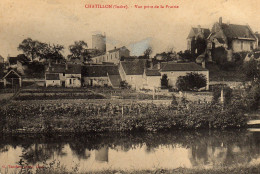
{"points": [[61, 68], [152, 72], [115, 80], [117, 49], [237, 31], [182, 67], [205, 32], [133, 67], [52, 77], [99, 70]]}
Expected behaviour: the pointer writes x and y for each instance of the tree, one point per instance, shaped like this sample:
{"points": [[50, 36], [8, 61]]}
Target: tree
{"points": [[191, 81], [33, 48], [148, 52], [54, 52], [164, 81], [251, 70], [79, 51]]}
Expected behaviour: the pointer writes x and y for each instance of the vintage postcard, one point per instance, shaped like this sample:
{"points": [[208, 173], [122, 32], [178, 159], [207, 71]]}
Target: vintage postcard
{"points": [[129, 86]]}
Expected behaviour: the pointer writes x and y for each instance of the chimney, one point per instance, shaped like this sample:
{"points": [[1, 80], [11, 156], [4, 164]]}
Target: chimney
{"points": [[220, 20]]}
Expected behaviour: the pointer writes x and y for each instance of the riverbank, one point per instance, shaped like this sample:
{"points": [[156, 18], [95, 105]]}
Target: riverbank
{"points": [[235, 170], [118, 117]]}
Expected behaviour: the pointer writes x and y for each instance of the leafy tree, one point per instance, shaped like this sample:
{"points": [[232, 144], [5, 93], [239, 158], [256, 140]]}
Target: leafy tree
{"points": [[191, 81], [164, 81], [33, 48], [79, 51], [219, 55], [54, 52], [186, 55], [148, 52], [251, 70]]}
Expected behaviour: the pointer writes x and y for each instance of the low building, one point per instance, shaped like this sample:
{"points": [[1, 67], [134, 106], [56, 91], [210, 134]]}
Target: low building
{"points": [[12, 79], [152, 79], [132, 72], [175, 70], [101, 75], [66, 75]]}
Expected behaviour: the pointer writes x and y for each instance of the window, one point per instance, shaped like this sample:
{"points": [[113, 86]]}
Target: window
{"points": [[111, 56], [70, 81], [63, 74], [241, 45]]}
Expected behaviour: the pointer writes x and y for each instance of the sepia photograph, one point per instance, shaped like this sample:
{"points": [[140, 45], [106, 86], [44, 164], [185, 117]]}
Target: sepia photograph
{"points": [[129, 87]]}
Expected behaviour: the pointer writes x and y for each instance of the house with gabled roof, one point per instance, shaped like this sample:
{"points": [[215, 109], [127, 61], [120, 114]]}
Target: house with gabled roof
{"points": [[67, 75], [152, 79], [112, 56], [233, 37], [101, 75], [197, 34], [132, 72], [175, 70]]}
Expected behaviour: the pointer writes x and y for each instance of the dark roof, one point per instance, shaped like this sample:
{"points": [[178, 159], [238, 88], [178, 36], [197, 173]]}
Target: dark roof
{"points": [[152, 72], [205, 32], [181, 67], [52, 77], [13, 73], [220, 40], [99, 70], [133, 67], [61, 68], [237, 31], [117, 49], [115, 80]]}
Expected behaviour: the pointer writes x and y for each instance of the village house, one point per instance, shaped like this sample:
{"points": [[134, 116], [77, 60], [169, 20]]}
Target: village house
{"points": [[112, 56], [197, 34], [132, 72], [66, 75], [11, 79], [175, 70], [101, 75], [234, 38], [152, 79]]}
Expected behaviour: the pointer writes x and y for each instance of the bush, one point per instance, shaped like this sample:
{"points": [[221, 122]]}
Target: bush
{"points": [[164, 81], [190, 82]]}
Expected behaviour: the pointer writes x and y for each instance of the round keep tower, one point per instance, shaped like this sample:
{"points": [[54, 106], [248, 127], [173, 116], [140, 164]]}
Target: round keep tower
{"points": [[99, 42]]}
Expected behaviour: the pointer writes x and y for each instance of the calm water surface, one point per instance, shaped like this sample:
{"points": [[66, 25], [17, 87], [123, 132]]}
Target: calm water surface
{"points": [[139, 151]]}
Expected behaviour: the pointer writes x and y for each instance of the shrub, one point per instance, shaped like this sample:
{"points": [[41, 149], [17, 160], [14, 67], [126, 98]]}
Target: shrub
{"points": [[191, 81], [164, 81]]}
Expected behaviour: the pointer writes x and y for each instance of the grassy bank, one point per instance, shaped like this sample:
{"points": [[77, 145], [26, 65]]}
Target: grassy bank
{"points": [[99, 117], [254, 169]]}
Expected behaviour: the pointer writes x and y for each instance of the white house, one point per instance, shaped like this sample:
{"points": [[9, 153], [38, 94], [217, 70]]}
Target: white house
{"points": [[66, 75], [132, 72], [175, 70], [112, 56], [152, 79]]}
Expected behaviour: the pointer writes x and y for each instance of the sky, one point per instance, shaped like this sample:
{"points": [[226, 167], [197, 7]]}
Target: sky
{"points": [[66, 21]]}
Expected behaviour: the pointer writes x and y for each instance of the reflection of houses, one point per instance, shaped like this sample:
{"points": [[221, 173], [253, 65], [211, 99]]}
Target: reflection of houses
{"points": [[101, 75], [234, 38], [67, 75], [112, 56], [101, 154], [175, 70]]}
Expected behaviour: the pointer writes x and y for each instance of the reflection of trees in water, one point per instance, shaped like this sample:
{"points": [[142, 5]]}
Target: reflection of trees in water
{"points": [[41, 152], [206, 148]]}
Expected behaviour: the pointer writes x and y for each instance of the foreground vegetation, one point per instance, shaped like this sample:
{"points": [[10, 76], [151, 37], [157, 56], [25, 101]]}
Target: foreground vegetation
{"points": [[82, 117]]}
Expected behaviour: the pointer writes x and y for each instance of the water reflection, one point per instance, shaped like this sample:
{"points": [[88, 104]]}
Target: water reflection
{"points": [[134, 151]]}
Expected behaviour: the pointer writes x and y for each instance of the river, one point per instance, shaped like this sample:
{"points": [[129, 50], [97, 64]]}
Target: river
{"points": [[131, 151]]}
